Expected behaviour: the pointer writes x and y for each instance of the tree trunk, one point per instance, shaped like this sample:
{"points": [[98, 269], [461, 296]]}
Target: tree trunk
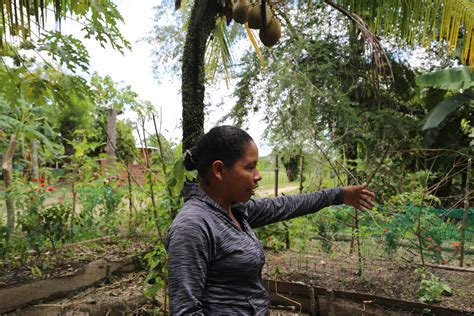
{"points": [[291, 166], [111, 138], [67, 129], [201, 24], [34, 158], [7, 168]]}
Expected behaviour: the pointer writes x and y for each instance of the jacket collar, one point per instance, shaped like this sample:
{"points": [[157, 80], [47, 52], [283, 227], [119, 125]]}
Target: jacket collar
{"points": [[193, 191]]}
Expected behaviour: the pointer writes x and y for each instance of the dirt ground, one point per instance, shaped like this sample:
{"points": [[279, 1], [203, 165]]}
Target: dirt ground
{"points": [[393, 278], [388, 278]]}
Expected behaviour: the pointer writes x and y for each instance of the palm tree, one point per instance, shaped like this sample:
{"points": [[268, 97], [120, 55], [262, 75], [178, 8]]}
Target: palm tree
{"points": [[415, 22]]}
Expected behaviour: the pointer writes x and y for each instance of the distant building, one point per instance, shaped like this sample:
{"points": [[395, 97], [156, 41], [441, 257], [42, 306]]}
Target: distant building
{"points": [[137, 167]]}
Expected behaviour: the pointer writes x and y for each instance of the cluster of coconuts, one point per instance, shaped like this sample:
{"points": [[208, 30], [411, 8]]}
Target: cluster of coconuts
{"points": [[244, 11]]}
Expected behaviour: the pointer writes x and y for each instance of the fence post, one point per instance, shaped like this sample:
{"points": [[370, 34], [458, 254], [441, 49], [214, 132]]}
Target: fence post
{"points": [[301, 174], [276, 175], [465, 215]]}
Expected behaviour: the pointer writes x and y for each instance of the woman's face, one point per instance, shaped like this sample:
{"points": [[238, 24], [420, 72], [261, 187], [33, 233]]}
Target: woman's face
{"points": [[242, 178]]}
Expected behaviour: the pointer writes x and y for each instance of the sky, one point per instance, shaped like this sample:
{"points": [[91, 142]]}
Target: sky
{"points": [[134, 68]]}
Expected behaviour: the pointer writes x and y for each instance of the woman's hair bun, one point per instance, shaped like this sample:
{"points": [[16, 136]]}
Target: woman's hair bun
{"points": [[190, 158]]}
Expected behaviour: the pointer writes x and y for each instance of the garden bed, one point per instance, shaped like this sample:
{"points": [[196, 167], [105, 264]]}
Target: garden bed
{"points": [[69, 258], [77, 269], [69, 269], [121, 295], [380, 279]]}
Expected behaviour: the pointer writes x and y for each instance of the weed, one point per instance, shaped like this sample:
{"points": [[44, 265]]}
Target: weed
{"points": [[431, 287]]}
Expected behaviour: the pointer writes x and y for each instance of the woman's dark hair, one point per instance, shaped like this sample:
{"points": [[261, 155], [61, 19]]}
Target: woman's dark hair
{"points": [[226, 143]]}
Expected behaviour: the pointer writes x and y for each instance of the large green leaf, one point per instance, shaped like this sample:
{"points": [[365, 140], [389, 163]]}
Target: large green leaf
{"points": [[444, 109], [448, 79]]}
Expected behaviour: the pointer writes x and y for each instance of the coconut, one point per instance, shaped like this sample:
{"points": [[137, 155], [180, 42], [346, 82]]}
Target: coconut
{"points": [[255, 16], [273, 33], [240, 11]]}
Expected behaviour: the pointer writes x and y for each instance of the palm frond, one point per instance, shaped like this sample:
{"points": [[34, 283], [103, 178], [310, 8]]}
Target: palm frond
{"points": [[419, 22], [218, 52], [255, 45], [381, 66]]}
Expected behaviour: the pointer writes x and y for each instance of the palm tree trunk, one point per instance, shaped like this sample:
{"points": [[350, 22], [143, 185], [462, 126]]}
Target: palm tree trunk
{"points": [[201, 24], [7, 168]]}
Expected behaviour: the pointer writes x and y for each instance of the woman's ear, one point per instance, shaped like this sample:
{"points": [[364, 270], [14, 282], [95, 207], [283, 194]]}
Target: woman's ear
{"points": [[217, 169]]}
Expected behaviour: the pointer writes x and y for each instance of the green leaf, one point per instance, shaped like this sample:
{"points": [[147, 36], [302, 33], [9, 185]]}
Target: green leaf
{"points": [[443, 109], [446, 289], [448, 79], [178, 170], [66, 50]]}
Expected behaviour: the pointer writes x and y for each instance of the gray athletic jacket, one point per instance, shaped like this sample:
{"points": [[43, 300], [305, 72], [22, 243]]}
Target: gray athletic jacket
{"points": [[215, 268]]}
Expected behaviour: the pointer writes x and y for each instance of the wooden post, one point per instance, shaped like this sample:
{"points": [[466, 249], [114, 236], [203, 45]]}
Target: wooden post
{"points": [[301, 174], [130, 202], [330, 302], [276, 175], [111, 144], [34, 157], [74, 203], [287, 235], [313, 305], [7, 168], [465, 215]]}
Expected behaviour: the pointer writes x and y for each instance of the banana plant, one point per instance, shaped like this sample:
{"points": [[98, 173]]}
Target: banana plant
{"points": [[23, 124], [459, 81]]}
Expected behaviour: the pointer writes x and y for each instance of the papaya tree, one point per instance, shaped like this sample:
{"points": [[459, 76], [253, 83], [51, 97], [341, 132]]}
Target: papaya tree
{"points": [[20, 19]]}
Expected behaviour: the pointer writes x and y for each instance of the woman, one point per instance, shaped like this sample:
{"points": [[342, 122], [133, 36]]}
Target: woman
{"points": [[215, 259]]}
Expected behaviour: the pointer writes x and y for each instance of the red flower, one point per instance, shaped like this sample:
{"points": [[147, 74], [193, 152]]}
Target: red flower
{"points": [[456, 245], [35, 189], [34, 180], [43, 185], [385, 230], [41, 180], [50, 189], [269, 238], [429, 238]]}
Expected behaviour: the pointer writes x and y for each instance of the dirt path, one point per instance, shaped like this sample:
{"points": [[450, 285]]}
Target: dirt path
{"points": [[268, 192]]}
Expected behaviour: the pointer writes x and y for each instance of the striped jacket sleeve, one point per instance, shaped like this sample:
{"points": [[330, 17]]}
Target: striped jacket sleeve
{"points": [[188, 253], [266, 211]]}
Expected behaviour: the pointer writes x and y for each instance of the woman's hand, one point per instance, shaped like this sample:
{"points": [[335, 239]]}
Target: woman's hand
{"points": [[359, 197]]}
